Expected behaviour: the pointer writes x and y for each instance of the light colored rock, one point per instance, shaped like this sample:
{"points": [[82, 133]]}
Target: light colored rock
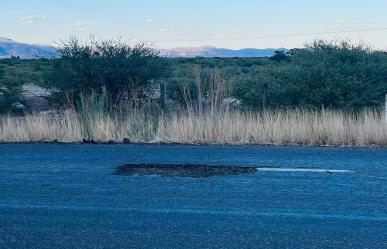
{"points": [[35, 97]]}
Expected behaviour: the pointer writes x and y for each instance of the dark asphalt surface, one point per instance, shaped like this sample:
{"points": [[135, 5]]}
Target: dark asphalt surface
{"points": [[66, 196]]}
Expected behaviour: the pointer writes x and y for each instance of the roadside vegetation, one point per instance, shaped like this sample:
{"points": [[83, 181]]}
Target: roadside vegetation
{"points": [[328, 93], [281, 127]]}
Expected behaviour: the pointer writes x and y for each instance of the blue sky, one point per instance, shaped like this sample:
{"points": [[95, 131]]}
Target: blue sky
{"points": [[179, 23]]}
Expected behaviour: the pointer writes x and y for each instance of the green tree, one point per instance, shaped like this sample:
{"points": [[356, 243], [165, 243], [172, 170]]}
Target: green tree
{"points": [[9, 92], [331, 74], [2, 71], [259, 88], [341, 74], [124, 71], [280, 55]]}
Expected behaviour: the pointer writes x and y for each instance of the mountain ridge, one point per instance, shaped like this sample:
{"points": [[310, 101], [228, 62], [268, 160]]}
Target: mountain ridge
{"points": [[211, 52], [9, 47]]}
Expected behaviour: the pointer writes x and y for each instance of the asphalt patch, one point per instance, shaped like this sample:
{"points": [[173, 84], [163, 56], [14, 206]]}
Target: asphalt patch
{"points": [[182, 170]]}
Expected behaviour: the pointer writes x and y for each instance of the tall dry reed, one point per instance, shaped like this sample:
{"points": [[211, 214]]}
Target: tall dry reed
{"points": [[281, 127]]}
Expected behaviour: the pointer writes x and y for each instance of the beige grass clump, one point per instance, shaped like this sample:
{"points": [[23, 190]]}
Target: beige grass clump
{"points": [[301, 127], [280, 127], [39, 127]]}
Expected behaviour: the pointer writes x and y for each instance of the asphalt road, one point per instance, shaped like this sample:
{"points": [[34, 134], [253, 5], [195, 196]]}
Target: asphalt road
{"points": [[67, 196]]}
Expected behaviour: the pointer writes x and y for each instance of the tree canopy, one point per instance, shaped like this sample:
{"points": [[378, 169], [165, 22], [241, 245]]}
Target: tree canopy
{"points": [[330, 74], [123, 70]]}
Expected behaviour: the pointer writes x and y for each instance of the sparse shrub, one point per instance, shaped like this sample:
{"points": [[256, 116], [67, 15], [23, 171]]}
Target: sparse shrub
{"points": [[330, 74], [126, 72]]}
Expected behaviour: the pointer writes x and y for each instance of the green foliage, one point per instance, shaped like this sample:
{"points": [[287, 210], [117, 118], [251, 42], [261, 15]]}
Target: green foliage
{"points": [[330, 74], [337, 75], [280, 55], [125, 72], [2, 72], [8, 99], [9, 91], [258, 87], [182, 75], [14, 73], [91, 107]]}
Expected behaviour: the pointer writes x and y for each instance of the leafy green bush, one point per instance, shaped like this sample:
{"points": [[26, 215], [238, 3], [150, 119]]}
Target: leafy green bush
{"points": [[125, 71], [9, 93], [330, 74]]}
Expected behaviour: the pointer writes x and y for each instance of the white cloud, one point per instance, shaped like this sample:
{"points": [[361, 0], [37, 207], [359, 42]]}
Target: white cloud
{"points": [[170, 30], [80, 26], [343, 21], [202, 30], [34, 19], [150, 20]]}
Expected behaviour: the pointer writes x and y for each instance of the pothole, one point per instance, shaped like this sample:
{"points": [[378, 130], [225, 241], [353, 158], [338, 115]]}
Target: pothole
{"points": [[182, 170]]}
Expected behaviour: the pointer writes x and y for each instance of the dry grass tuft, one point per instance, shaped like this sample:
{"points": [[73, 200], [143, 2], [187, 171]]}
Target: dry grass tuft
{"points": [[41, 127], [282, 127]]}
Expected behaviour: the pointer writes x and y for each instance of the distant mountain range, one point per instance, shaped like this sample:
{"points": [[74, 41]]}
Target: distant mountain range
{"points": [[10, 48], [210, 52]]}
